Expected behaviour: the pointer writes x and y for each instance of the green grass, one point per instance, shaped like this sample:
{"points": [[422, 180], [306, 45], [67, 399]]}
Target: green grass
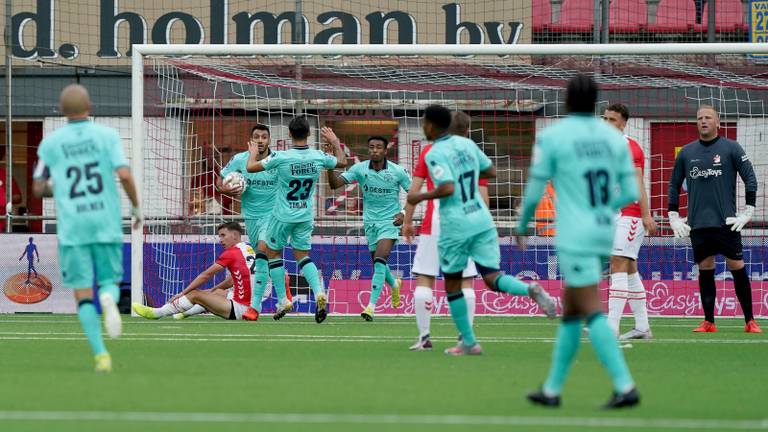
{"points": [[347, 375]]}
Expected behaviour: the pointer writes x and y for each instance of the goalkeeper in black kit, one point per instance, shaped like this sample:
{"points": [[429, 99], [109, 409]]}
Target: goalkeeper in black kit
{"points": [[709, 166]]}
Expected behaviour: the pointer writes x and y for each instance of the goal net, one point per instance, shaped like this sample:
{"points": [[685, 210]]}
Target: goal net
{"points": [[195, 111]]}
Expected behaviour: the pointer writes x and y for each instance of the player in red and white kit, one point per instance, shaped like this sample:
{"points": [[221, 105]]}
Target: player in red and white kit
{"points": [[426, 265], [238, 258], [632, 224]]}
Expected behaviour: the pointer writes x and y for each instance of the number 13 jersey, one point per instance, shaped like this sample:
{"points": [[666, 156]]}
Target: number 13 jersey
{"points": [[297, 172]]}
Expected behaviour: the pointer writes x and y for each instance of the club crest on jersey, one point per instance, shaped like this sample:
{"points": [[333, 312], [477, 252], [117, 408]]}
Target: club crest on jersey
{"points": [[716, 159]]}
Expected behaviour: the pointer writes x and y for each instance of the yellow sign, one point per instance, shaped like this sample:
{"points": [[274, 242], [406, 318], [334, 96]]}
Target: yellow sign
{"points": [[759, 23]]}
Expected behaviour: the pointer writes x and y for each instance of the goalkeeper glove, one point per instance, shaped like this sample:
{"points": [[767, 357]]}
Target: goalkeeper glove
{"points": [[679, 227], [137, 216], [740, 219]]}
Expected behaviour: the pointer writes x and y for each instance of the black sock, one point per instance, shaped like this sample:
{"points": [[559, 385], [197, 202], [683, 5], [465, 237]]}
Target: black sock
{"points": [[708, 293], [743, 291]]}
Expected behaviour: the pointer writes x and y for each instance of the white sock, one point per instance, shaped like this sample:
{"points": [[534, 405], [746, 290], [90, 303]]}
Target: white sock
{"points": [[469, 295], [196, 310], [422, 307], [182, 304], [617, 299], [637, 302]]}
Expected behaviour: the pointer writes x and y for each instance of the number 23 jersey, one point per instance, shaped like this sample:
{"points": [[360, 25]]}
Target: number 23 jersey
{"points": [[297, 172]]}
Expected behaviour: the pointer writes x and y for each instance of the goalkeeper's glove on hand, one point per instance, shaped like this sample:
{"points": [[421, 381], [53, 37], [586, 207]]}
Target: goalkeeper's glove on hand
{"points": [[740, 219], [679, 227], [137, 216]]}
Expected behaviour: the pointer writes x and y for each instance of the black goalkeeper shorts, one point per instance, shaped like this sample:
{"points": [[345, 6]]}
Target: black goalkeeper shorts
{"points": [[707, 242]]}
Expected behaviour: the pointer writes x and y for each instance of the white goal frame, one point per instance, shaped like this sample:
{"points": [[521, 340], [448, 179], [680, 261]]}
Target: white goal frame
{"points": [[140, 51]]}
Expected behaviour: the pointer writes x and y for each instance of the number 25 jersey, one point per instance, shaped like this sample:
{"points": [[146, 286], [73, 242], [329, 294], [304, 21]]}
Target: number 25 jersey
{"points": [[297, 172]]}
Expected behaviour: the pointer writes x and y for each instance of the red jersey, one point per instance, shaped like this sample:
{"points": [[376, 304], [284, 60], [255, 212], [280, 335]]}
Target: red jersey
{"points": [[431, 222], [235, 259], [638, 159]]}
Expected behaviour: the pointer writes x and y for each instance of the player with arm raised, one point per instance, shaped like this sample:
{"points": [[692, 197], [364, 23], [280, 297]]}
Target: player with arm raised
{"points": [[380, 181], [426, 265], [292, 219], [709, 166], [80, 159], [466, 227], [239, 259], [633, 223], [590, 167]]}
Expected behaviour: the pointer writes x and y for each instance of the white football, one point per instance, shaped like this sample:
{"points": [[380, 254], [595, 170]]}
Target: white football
{"points": [[235, 180]]}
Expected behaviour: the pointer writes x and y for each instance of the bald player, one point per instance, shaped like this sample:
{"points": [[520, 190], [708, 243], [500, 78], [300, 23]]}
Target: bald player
{"points": [[76, 165]]}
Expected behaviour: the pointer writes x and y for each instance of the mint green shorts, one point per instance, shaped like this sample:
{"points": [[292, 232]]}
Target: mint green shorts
{"points": [[580, 269], [77, 264], [279, 234], [483, 248], [256, 228], [375, 231]]}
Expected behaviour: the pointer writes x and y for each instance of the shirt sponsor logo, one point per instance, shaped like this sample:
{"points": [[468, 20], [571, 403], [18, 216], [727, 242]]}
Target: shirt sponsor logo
{"points": [[705, 173], [306, 168]]}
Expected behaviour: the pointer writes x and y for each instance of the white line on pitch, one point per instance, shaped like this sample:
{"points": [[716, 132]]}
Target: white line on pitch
{"points": [[377, 419]]}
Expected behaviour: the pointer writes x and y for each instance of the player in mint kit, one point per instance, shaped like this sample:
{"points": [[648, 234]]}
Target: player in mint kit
{"points": [[466, 226], [292, 219], [77, 164], [380, 181], [591, 169]]}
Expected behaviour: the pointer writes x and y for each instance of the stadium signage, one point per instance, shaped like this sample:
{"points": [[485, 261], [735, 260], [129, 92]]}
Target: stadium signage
{"points": [[108, 26]]}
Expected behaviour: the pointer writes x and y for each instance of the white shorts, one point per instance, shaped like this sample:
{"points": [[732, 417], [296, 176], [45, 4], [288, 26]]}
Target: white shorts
{"points": [[427, 263], [239, 310], [628, 237], [230, 293]]}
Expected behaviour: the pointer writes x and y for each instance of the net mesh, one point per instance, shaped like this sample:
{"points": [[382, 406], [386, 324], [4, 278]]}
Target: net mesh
{"points": [[199, 111]]}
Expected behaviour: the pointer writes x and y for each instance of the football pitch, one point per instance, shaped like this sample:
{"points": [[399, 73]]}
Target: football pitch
{"points": [[207, 374]]}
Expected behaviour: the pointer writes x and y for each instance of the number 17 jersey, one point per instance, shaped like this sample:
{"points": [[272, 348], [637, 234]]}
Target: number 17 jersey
{"points": [[297, 172]]}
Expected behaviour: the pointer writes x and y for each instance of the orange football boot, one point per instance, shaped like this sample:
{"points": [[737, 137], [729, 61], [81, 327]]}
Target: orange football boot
{"points": [[705, 327]]}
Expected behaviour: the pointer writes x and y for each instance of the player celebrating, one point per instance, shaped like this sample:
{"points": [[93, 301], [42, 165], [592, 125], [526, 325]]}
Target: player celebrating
{"points": [[587, 160], [257, 201], [381, 181], [709, 166], [426, 266], [466, 227], [292, 217], [236, 258], [80, 159], [633, 223]]}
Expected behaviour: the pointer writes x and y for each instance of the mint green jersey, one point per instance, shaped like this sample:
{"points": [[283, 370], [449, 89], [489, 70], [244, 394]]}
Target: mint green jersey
{"points": [[81, 158], [458, 160], [258, 198], [591, 169], [381, 189], [297, 172]]}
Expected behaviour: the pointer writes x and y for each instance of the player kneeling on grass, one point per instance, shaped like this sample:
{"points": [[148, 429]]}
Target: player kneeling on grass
{"points": [[236, 258], [380, 181]]}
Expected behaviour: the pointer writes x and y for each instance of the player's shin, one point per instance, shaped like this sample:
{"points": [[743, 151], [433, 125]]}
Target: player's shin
{"points": [[510, 285], [277, 273], [637, 302], [389, 277], [617, 299], [422, 307], [743, 292], [566, 346], [194, 310], [261, 276], [377, 282], [607, 349], [469, 296], [91, 324], [708, 293], [180, 305], [309, 270], [458, 306]]}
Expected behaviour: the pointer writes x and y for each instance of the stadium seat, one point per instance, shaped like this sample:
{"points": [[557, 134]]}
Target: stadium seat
{"points": [[675, 16], [729, 16], [541, 14], [576, 16], [628, 16]]}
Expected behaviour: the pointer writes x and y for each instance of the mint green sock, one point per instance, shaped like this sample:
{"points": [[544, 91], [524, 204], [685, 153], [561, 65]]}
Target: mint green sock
{"points": [[389, 277], [261, 276], [309, 270], [91, 323], [277, 273], [458, 306], [112, 290], [377, 282], [511, 285], [566, 346], [607, 348]]}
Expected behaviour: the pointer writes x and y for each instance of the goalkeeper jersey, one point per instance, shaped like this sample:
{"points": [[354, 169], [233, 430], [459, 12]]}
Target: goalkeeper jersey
{"points": [[297, 172], [81, 158], [381, 189], [258, 198]]}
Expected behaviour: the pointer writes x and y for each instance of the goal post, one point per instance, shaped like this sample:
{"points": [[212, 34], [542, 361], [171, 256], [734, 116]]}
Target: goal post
{"points": [[193, 105]]}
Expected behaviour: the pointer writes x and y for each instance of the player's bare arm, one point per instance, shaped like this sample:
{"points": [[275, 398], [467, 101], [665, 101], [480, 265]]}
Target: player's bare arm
{"points": [[408, 231], [253, 164], [200, 280], [126, 179], [335, 146], [488, 173], [648, 223], [444, 190]]}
